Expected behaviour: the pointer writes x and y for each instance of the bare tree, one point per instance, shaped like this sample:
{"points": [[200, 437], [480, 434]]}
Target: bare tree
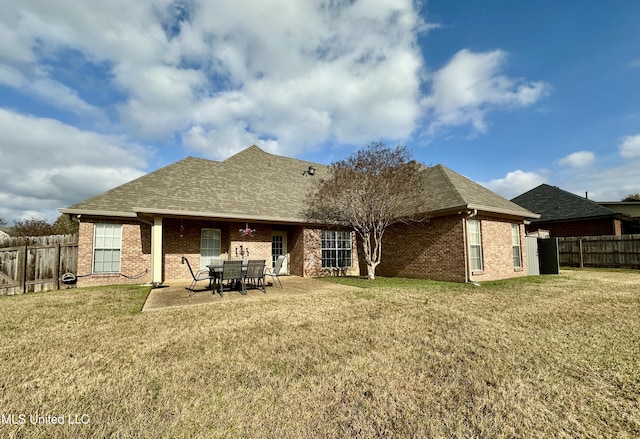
{"points": [[368, 192], [632, 197], [33, 227], [64, 225]]}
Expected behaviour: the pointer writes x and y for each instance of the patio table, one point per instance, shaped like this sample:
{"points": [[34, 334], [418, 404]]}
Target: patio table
{"points": [[216, 270]]}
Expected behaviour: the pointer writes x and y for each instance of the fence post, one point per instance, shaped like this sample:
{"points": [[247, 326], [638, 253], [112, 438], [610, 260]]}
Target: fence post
{"points": [[24, 266], [56, 270], [581, 254]]}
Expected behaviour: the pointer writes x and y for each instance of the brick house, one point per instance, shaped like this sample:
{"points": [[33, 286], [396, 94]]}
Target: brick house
{"points": [[251, 205], [565, 214]]}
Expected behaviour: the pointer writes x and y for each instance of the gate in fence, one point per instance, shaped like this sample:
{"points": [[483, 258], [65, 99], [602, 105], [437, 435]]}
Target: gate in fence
{"points": [[542, 255], [33, 264]]}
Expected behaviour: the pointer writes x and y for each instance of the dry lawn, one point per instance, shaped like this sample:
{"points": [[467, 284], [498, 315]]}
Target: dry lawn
{"points": [[554, 356]]}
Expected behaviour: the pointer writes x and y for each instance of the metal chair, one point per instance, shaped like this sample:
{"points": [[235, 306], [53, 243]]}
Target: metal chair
{"points": [[255, 274], [276, 270], [232, 271], [198, 276]]}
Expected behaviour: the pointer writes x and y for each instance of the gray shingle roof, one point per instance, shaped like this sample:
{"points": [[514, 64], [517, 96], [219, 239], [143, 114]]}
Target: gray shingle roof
{"points": [[448, 191], [256, 185], [252, 184], [555, 204]]}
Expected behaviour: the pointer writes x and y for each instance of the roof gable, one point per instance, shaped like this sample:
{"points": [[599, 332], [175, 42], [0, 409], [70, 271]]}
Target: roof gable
{"points": [[448, 190], [555, 204], [250, 184]]}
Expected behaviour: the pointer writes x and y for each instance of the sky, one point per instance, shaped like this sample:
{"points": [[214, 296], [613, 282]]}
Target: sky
{"points": [[509, 94]]}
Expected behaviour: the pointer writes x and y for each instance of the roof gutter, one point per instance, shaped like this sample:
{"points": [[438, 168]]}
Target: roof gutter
{"points": [[519, 213], [484, 209], [78, 212]]}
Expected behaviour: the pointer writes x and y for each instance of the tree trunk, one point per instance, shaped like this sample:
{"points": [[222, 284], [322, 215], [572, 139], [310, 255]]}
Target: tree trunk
{"points": [[371, 271], [371, 253]]}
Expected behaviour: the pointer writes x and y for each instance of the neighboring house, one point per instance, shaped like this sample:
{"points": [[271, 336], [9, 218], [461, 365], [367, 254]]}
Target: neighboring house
{"points": [[251, 205], [629, 208], [3, 234], [565, 214]]}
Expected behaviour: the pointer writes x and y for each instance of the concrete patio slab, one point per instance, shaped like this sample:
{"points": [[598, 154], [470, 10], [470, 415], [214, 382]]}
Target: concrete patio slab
{"points": [[175, 294]]}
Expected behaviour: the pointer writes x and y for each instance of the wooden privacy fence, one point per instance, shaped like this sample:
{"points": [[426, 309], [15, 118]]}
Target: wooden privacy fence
{"points": [[33, 264], [600, 251]]}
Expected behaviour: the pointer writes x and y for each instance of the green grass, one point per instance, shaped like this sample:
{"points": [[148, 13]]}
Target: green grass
{"points": [[550, 356]]}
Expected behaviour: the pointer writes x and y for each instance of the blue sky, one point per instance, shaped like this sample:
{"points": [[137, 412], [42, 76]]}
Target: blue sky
{"points": [[509, 94]]}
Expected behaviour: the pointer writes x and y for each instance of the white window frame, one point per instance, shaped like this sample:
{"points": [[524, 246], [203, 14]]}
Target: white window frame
{"points": [[107, 248], [516, 246], [209, 246], [474, 236], [335, 245]]}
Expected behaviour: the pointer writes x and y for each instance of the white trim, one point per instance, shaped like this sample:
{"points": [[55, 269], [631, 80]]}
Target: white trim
{"points": [[111, 248], [477, 245]]}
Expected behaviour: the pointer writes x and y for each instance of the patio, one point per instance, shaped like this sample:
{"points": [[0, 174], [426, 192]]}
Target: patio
{"points": [[176, 294]]}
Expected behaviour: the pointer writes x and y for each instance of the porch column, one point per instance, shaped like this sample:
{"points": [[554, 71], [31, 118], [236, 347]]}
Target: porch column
{"points": [[156, 251]]}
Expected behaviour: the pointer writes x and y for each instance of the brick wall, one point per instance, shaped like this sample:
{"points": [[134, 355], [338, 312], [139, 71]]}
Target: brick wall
{"points": [[429, 250], [497, 251], [580, 228], [312, 247], [436, 250], [296, 251], [180, 238], [135, 258], [187, 244]]}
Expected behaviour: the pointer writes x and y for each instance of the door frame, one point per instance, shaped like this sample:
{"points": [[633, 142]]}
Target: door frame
{"points": [[285, 264]]}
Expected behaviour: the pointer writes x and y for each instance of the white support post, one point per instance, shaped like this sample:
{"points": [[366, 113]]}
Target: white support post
{"points": [[156, 251]]}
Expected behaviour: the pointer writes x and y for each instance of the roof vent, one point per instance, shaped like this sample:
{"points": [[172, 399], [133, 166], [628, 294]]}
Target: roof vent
{"points": [[309, 171]]}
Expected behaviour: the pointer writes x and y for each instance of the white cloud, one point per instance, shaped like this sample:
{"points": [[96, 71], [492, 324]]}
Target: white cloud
{"points": [[608, 184], [578, 159], [515, 183], [630, 147], [47, 164], [303, 72], [217, 77], [471, 85]]}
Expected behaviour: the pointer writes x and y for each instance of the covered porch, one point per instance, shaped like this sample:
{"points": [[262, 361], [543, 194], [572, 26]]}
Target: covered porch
{"points": [[202, 240]]}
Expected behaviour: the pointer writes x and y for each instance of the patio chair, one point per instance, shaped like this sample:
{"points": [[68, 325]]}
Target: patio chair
{"points": [[232, 271], [198, 276], [276, 270], [255, 274]]}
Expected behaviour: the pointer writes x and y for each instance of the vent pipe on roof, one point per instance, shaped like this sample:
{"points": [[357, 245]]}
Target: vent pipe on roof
{"points": [[586, 195], [310, 171]]}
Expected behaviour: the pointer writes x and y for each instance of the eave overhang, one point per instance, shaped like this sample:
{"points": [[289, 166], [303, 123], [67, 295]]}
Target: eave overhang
{"points": [[468, 209], [142, 212]]}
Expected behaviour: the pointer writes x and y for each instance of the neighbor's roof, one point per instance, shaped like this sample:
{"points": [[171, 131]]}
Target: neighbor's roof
{"points": [[255, 185], [555, 204]]}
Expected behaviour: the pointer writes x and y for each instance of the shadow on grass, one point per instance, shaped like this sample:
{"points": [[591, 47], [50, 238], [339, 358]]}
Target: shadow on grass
{"points": [[399, 282], [389, 282]]}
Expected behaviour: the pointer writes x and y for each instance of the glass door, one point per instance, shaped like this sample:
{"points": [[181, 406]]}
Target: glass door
{"points": [[278, 248]]}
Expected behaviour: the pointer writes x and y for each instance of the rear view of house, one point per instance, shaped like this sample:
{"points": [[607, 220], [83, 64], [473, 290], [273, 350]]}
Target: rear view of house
{"points": [[252, 206]]}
